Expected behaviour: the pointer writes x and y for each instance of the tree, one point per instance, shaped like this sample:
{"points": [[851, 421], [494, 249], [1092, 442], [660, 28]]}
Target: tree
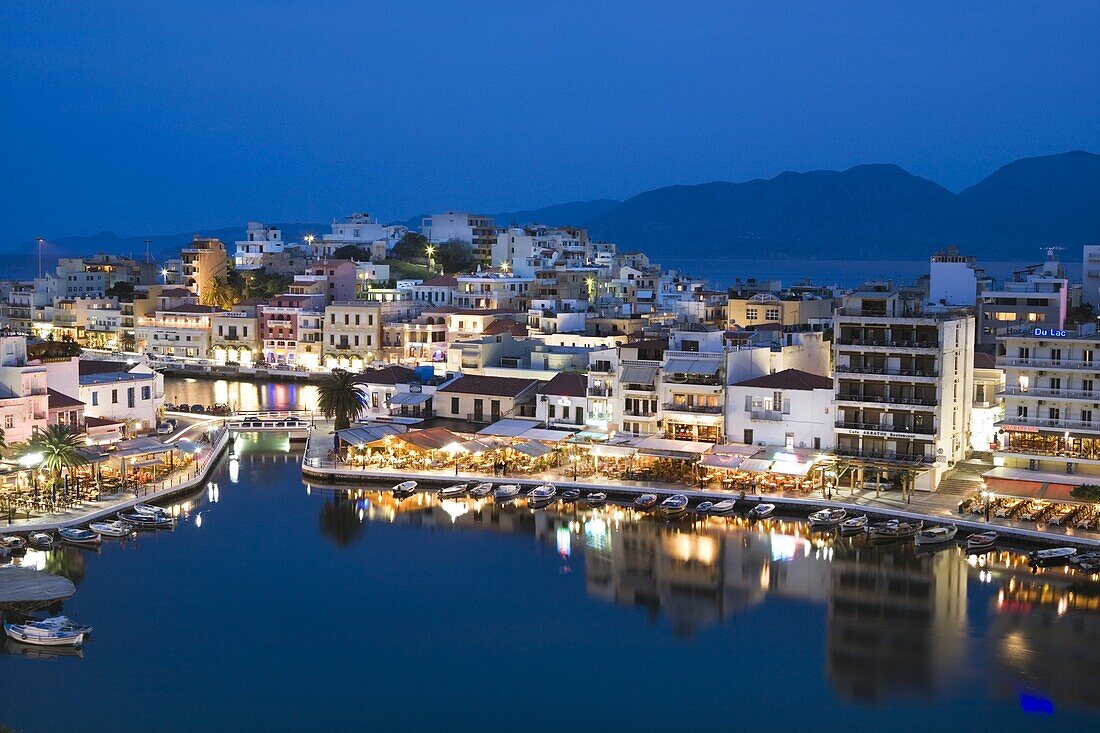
{"points": [[121, 289], [1086, 492], [3, 442], [410, 247], [340, 397], [59, 447], [454, 255], [352, 252], [219, 293]]}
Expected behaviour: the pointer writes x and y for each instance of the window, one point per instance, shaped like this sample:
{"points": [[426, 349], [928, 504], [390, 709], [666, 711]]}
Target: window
{"points": [[9, 422], [130, 397], [114, 396], [454, 405], [750, 314], [146, 393], [771, 314], [95, 398]]}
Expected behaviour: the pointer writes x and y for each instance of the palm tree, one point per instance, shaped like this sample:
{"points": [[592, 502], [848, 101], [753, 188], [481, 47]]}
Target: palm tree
{"points": [[3, 442], [219, 294], [339, 396], [59, 447]]}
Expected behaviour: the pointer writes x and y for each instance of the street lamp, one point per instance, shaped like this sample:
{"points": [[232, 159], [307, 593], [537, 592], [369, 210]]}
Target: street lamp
{"points": [[430, 251], [573, 459], [987, 498], [309, 240], [164, 276]]}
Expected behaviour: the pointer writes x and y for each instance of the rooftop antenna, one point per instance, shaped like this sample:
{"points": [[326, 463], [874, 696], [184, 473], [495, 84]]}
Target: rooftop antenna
{"points": [[41, 240], [148, 257]]}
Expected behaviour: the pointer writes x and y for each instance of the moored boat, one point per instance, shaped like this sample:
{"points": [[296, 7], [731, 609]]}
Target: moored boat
{"points": [[151, 510], [894, 530], [12, 542], [113, 528], [645, 501], [1089, 562], [60, 623], [704, 507], [543, 493], [937, 535], [827, 517], [596, 498], [79, 536], [724, 508], [452, 492], [854, 525], [506, 492], [147, 521], [570, 495], [981, 541], [1052, 556], [674, 506], [43, 637], [481, 490], [42, 540], [761, 511], [404, 489]]}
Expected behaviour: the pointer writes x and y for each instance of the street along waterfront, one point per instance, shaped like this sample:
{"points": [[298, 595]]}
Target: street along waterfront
{"points": [[282, 606]]}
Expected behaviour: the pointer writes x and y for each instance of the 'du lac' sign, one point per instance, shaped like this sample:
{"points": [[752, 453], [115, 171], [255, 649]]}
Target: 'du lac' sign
{"points": [[1051, 332]]}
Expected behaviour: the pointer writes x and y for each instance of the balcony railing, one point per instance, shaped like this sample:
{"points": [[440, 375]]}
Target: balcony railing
{"points": [[882, 455], [1051, 363], [1054, 423], [1068, 394], [701, 409], [877, 427], [599, 390], [640, 413], [889, 400], [889, 343], [846, 369], [770, 415]]}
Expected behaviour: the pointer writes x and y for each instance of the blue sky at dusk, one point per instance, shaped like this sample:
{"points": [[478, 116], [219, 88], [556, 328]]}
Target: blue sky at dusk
{"points": [[159, 117]]}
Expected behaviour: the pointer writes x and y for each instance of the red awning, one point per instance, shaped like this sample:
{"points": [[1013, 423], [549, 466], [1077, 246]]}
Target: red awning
{"points": [[1011, 487], [1059, 492]]}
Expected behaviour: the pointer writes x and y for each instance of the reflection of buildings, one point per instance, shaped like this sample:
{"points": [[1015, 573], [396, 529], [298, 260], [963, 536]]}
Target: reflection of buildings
{"points": [[1043, 641], [896, 620]]}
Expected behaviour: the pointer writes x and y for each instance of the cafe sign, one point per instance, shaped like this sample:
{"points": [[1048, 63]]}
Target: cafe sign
{"points": [[1021, 428]]}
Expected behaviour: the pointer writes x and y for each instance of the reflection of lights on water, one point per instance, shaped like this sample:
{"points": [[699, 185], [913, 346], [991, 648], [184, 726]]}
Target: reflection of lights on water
{"points": [[309, 490], [785, 547], [1063, 606], [562, 537], [454, 508], [234, 471], [198, 519]]}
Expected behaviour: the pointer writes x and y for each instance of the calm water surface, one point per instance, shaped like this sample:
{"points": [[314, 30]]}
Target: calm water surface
{"points": [[241, 395], [275, 608]]}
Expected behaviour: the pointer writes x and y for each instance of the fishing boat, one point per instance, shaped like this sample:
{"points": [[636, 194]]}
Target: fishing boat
{"points": [[481, 490], [1088, 562], [827, 517], [894, 530], [761, 511], [570, 495], [79, 536], [60, 623], [674, 506], [937, 535], [543, 493], [854, 525], [112, 528], [596, 498], [645, 501], [1053, 556], [404, 489], [452, 492], [146, 521], [12, 542], [724, 508], [151, 510], [42, 540], [704, 507], [506, 492], [43, 637], [981, 541]]}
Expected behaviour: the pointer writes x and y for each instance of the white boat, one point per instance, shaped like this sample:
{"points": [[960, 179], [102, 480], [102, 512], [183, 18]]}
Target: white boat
{"points": [[704, 507], [827, 517], [724, 508], [854, 525], [12, 542], [43, 637], [60, 623], [761, 511], [645, 501], [79, 536], [150, 510], [936, 535], [981, 541], [674, 505], [506, 492], [596, 498], [113, 528], [147, 521], [41, 539], [894, 530], [1053, 556], [453, 492], [546, 492], [481, 490], [405, 488]]}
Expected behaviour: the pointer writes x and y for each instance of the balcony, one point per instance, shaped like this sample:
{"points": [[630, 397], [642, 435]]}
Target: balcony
{"points": [[887, 400], [645, 414], [900, 457], [880, 428], [1053, 423], [697, 409], [769, 415], [1050, 363], [599, 390], [889, 343], [883, 371], [1065, 394]]}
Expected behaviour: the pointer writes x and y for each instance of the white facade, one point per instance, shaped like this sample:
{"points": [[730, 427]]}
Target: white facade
{"points": [[260, 240], [24, 398], [955, 279], [1090, 274], [360, 230], [786, 413]]}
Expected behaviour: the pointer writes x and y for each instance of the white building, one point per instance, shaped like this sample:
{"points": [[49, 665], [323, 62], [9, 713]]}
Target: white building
{"points": [[24, 397], [129, 393], [359, 230], [790, 408], [955, 279], [1090, 274], [261, 241], [475, 229], [1038, 295]]}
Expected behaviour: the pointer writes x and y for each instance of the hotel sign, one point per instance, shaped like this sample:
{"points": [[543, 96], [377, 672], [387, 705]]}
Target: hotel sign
{"points": [[1051, 332], [1021, 428]]}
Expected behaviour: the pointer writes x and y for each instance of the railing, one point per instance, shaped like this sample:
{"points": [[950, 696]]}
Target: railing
{"points": [[882, 455], [702, 409], [877, 427], [1046, 422], [891, 343], [882, 399], [599, 391], [640, 413], [1051, 363], [1049, 392], [845, 369], [769, 415]]}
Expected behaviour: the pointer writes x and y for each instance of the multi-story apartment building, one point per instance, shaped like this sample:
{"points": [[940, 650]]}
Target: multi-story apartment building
{"points": [[1036, 296], [903, 387], [352, 334], [89, 276], [1090, 275], [415, 339], [490, 290], [235, 336], [359, 230], [24, 395], [747, 309], [260, 245], [290, 328], [790, 408], [955, 279], [181, 331], [340, 278], [203, 260], [437, 291], [1051, 402], [475, 229]]}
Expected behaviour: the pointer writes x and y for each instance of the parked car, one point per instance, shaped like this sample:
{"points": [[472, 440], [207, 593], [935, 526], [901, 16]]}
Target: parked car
{"points": [[198, 408], [173, 422], [164, 429]]}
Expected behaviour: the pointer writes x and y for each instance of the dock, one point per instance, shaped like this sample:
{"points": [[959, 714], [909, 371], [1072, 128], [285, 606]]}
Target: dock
{"points": [[25, 589]]}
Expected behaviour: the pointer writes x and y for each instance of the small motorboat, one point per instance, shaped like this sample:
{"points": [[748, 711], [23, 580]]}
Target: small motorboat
{"points": [[542, 494], [674, 506], [150, 510], [854, 525], [724, 508], [146, 521], [894, 530], [481, 490], [29, 634], [452, 492], [1053, 556], [79, 536], [12, 542], [761, 511], [981, 541], [1088, 562], [113, 528], [645, 501], [827, 517], [596, 498], [506, 492], [404, 489], [43, 540], [704, 507], [61, 623], [570, 495], [937, 535]]}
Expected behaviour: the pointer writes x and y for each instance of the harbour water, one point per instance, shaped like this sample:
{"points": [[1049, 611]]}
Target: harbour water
{"points": [[279, 606]]}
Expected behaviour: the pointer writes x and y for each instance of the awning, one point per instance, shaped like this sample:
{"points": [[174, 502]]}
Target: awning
{"points": [[722, 460], [430, 439], [545, 435], [701, 367], [613, 451], [792, 468], [735, 449], [139, 447], [668, 444], [533, 450], [639, 375], [756, 465], [409, 398], [1023, 483], [481, 445], [368, 434], [509, 427], [147, 462]]}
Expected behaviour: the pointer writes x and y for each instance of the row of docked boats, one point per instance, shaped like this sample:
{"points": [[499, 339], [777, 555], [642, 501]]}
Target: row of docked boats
{"points": [[54, 631], [141, 516]]}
